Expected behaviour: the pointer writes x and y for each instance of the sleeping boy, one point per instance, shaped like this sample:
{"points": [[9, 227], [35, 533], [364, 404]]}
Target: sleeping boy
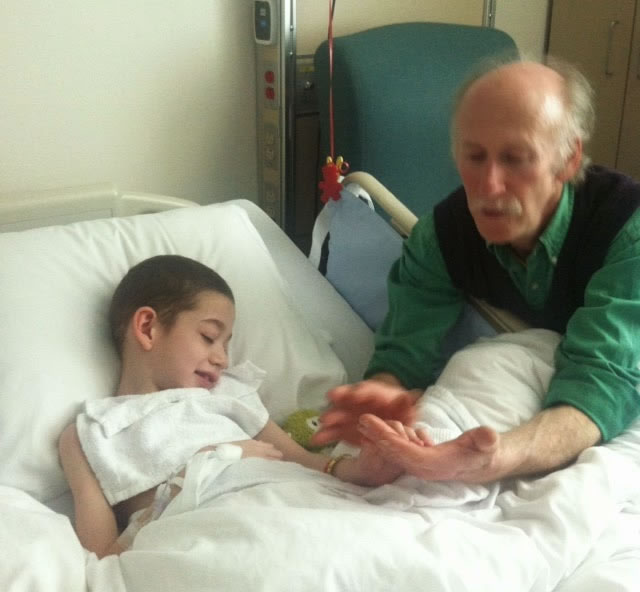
{"points": [[171, 319]]}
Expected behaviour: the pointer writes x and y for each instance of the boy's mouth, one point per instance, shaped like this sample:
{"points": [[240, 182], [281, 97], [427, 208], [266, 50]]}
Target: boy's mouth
{"points": [[207, 379]]}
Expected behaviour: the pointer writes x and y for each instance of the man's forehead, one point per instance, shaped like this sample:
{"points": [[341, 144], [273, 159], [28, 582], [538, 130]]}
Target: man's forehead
{"points": [[513, 117], [527, 84], [516, 145]]}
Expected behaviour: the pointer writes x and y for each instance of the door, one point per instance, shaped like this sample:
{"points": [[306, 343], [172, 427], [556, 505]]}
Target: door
{"points": [[595, 35], [629, 147]]}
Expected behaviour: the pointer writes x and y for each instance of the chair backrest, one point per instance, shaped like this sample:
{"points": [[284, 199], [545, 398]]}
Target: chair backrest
{"points": [[393, 90]]}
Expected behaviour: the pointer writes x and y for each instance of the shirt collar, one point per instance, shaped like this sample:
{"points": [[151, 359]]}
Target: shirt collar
{"points": [[554, 234]]}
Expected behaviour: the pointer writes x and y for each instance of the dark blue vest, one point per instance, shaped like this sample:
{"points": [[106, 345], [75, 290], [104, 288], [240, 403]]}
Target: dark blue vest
{"points": [[604, 202]]}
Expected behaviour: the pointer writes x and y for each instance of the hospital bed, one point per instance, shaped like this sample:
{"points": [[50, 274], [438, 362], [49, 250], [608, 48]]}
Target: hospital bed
{"points": [[274, 527]]}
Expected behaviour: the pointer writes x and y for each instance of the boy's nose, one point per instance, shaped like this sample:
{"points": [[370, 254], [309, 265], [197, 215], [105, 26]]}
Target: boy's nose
{"points": [[219, 357]]}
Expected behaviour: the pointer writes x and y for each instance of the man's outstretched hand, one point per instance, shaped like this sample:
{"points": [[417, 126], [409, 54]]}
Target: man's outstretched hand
{"points": [[472, 457], [351, 401]]}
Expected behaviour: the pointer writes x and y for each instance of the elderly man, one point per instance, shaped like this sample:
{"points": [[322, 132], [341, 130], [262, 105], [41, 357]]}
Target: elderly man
{"points": [[534, 230]]}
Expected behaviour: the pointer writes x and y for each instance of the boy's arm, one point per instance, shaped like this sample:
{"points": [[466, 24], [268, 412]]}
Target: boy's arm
{"points": [[291, 450], [370, 468], [95, 521]]}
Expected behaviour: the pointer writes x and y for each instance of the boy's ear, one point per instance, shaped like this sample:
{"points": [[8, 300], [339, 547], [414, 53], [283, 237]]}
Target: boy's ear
{"points": [[143, 325]]}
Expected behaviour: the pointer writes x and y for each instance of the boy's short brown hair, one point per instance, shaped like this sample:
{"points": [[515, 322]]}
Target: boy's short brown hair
{"points": [[170, 284]]}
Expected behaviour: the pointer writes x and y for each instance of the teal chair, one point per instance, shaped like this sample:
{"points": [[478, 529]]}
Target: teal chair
{"points": [[393, 89]]}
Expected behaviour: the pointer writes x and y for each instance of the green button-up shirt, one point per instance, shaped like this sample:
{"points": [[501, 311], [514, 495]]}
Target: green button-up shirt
{"points": [[598, 360]]}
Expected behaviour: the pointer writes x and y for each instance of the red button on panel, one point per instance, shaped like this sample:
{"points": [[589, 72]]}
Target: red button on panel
{"points": [[270, 93], [269, 76]]}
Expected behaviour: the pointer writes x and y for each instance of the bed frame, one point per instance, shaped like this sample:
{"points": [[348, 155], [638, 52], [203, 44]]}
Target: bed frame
{"points": [[21, 211]]}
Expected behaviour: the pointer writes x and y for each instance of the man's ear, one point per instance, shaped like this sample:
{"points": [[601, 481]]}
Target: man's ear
{"points": [[143, 324], [572, 165]]}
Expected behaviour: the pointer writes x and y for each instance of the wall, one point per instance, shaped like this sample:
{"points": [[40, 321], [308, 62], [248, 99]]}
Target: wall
{"points": [[155, 95], [526, 22], [355, 15], [158, 95]]}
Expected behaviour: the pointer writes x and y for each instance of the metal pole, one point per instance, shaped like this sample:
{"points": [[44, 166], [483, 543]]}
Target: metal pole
{"points": [[288, 121], [489, 13]]}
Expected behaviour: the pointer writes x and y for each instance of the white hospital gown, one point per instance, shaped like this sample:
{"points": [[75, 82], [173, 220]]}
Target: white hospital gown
{"points": [[135, 442]]}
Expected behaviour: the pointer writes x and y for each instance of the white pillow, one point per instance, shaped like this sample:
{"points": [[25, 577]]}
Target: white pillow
{"points": [[55, 287]]}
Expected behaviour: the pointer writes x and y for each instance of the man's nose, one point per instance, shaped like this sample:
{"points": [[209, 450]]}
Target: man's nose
{"points": [[492, 180]]}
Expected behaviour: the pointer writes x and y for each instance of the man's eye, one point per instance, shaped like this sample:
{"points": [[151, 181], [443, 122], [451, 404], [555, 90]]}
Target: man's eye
{"points": [[512, 159], [474, 157], [207, 338]]}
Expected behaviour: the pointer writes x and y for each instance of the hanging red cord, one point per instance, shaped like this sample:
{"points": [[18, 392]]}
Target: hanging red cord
{"points": [[332, 5], [334, 168]]}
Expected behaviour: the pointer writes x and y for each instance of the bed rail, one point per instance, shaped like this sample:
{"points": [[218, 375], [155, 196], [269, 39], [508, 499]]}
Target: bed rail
{"points": [[401, 217], [20, 211]]}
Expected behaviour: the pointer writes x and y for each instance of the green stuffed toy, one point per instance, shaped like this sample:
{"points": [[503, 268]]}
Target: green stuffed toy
{"points": [[301, 425]]}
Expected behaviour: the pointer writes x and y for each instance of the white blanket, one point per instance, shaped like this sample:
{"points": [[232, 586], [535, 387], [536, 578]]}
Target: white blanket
{"points": [[273, 526], [270, 526], [135, 442]]}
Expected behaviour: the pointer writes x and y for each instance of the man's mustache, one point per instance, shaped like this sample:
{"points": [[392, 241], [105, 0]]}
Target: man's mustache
{"points": [[501, 205]]}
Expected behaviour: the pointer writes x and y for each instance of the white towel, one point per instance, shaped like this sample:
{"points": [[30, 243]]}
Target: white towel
{"points": [[135, 442]]}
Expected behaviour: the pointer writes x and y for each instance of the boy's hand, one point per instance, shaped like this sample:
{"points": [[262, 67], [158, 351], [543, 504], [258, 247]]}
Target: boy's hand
{"points": [[373, 468]]}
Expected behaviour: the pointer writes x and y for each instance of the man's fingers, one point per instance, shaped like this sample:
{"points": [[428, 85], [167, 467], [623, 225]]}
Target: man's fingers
{"points": [[404, 430], [351, 401], [335, 417], [423, 434], [356, 397], [336, 424], [327, 435], [373, 427], [371, 396], [350, 394]]}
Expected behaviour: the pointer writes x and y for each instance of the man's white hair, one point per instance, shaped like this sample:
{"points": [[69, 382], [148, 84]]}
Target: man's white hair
{"points": [[579, 118], [577, 122]]}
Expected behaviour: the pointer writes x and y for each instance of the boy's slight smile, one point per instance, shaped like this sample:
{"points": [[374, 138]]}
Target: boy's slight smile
{"points": [[193, 351]]}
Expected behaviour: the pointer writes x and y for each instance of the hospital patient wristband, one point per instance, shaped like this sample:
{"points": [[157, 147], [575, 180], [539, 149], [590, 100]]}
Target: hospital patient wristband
{"points": [[330, 467]]}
